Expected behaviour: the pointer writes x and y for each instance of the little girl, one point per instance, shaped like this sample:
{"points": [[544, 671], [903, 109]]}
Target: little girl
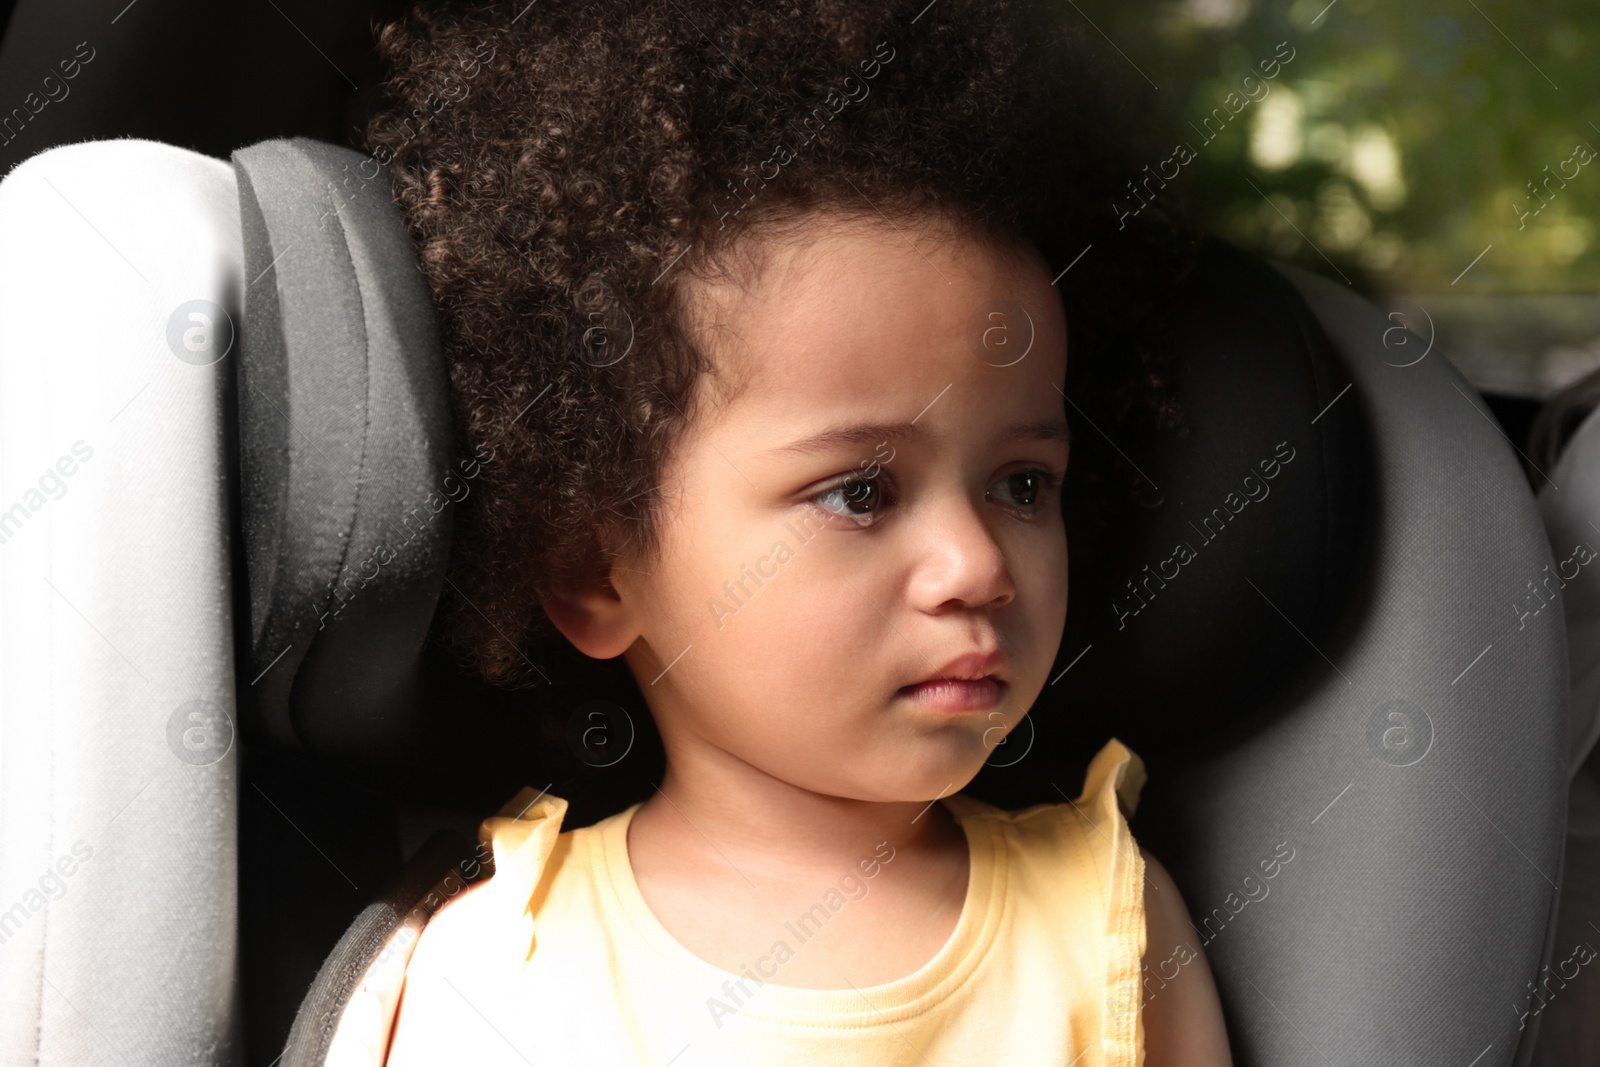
{"points": [[765, 312]]}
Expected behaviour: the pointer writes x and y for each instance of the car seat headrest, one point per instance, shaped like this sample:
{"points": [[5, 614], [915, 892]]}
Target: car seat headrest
{"points": [[345, 451], [1258, 517], [1263, 505]]}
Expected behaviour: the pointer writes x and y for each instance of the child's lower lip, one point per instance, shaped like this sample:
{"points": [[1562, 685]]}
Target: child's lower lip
{"points": [[951, 694]]}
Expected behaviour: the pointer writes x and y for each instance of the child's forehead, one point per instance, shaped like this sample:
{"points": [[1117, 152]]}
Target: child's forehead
{"points": [[872, 328], [865, 288]]}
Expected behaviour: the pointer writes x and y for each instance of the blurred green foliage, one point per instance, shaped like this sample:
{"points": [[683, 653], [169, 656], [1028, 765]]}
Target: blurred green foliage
{"points": [[1402, 140]]}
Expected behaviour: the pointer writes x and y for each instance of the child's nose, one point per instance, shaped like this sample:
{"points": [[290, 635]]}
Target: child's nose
{"points": [[961, 559]]}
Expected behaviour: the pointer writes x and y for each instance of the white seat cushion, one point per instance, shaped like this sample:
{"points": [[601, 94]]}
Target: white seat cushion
{"points": [[118, 871]]}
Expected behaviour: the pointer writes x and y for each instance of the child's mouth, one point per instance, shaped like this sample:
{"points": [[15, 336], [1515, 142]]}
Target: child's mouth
{"points": [[956, 694]]}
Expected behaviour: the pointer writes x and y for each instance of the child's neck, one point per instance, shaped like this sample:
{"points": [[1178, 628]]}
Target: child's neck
{"points": [[723, 852], [725, 806]]}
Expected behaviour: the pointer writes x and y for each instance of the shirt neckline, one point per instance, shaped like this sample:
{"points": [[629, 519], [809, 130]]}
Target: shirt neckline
{"points": [[874, 1005]]}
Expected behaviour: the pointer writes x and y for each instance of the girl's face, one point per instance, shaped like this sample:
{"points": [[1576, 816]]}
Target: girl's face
{"points": [[878, 501]]}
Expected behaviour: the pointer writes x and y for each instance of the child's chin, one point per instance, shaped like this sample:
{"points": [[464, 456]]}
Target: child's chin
{"points": [[939, 774]]}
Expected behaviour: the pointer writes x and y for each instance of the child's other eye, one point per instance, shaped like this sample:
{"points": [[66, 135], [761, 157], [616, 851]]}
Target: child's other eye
{"points": [[861, 500], [1028, 487]]}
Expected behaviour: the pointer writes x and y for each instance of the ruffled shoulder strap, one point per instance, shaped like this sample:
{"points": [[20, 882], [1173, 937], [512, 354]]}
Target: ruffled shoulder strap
{"points": [[1110, 796], [522, 836], [1119, 767]]}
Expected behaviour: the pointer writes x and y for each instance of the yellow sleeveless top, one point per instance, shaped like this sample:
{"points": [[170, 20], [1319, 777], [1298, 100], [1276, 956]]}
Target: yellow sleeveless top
{"points": [[557, 959]]}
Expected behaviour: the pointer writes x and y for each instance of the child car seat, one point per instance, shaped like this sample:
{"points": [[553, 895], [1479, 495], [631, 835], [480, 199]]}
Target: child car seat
{"points": [[1356, 754], [1567, 501]]}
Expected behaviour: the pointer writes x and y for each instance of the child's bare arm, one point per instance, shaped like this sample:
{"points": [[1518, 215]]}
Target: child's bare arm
{"points": [[1183, 1019]]}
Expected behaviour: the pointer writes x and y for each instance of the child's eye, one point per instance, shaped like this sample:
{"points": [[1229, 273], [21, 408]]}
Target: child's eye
{"points": [[861, 500], [1028, 486], [857, 498]]}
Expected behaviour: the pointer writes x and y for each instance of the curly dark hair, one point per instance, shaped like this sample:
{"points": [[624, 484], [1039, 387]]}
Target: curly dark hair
{"points": [[562, 166]]}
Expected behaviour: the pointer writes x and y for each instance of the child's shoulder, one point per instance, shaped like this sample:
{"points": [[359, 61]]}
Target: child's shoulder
{"points": [[471, 958], [467, 954], [458, 926], [458, 914], [441, 983]]}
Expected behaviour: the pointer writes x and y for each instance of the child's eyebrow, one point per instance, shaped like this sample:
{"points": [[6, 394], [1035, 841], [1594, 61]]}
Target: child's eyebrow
{"points": [[860, 435]]}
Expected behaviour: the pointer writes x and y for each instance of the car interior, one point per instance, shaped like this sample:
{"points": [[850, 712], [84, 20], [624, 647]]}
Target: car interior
{"points": [[234, 759]]}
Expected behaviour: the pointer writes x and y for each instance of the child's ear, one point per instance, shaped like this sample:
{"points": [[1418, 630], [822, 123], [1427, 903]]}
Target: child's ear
{"points": [[591, 613], [593, 617]]}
